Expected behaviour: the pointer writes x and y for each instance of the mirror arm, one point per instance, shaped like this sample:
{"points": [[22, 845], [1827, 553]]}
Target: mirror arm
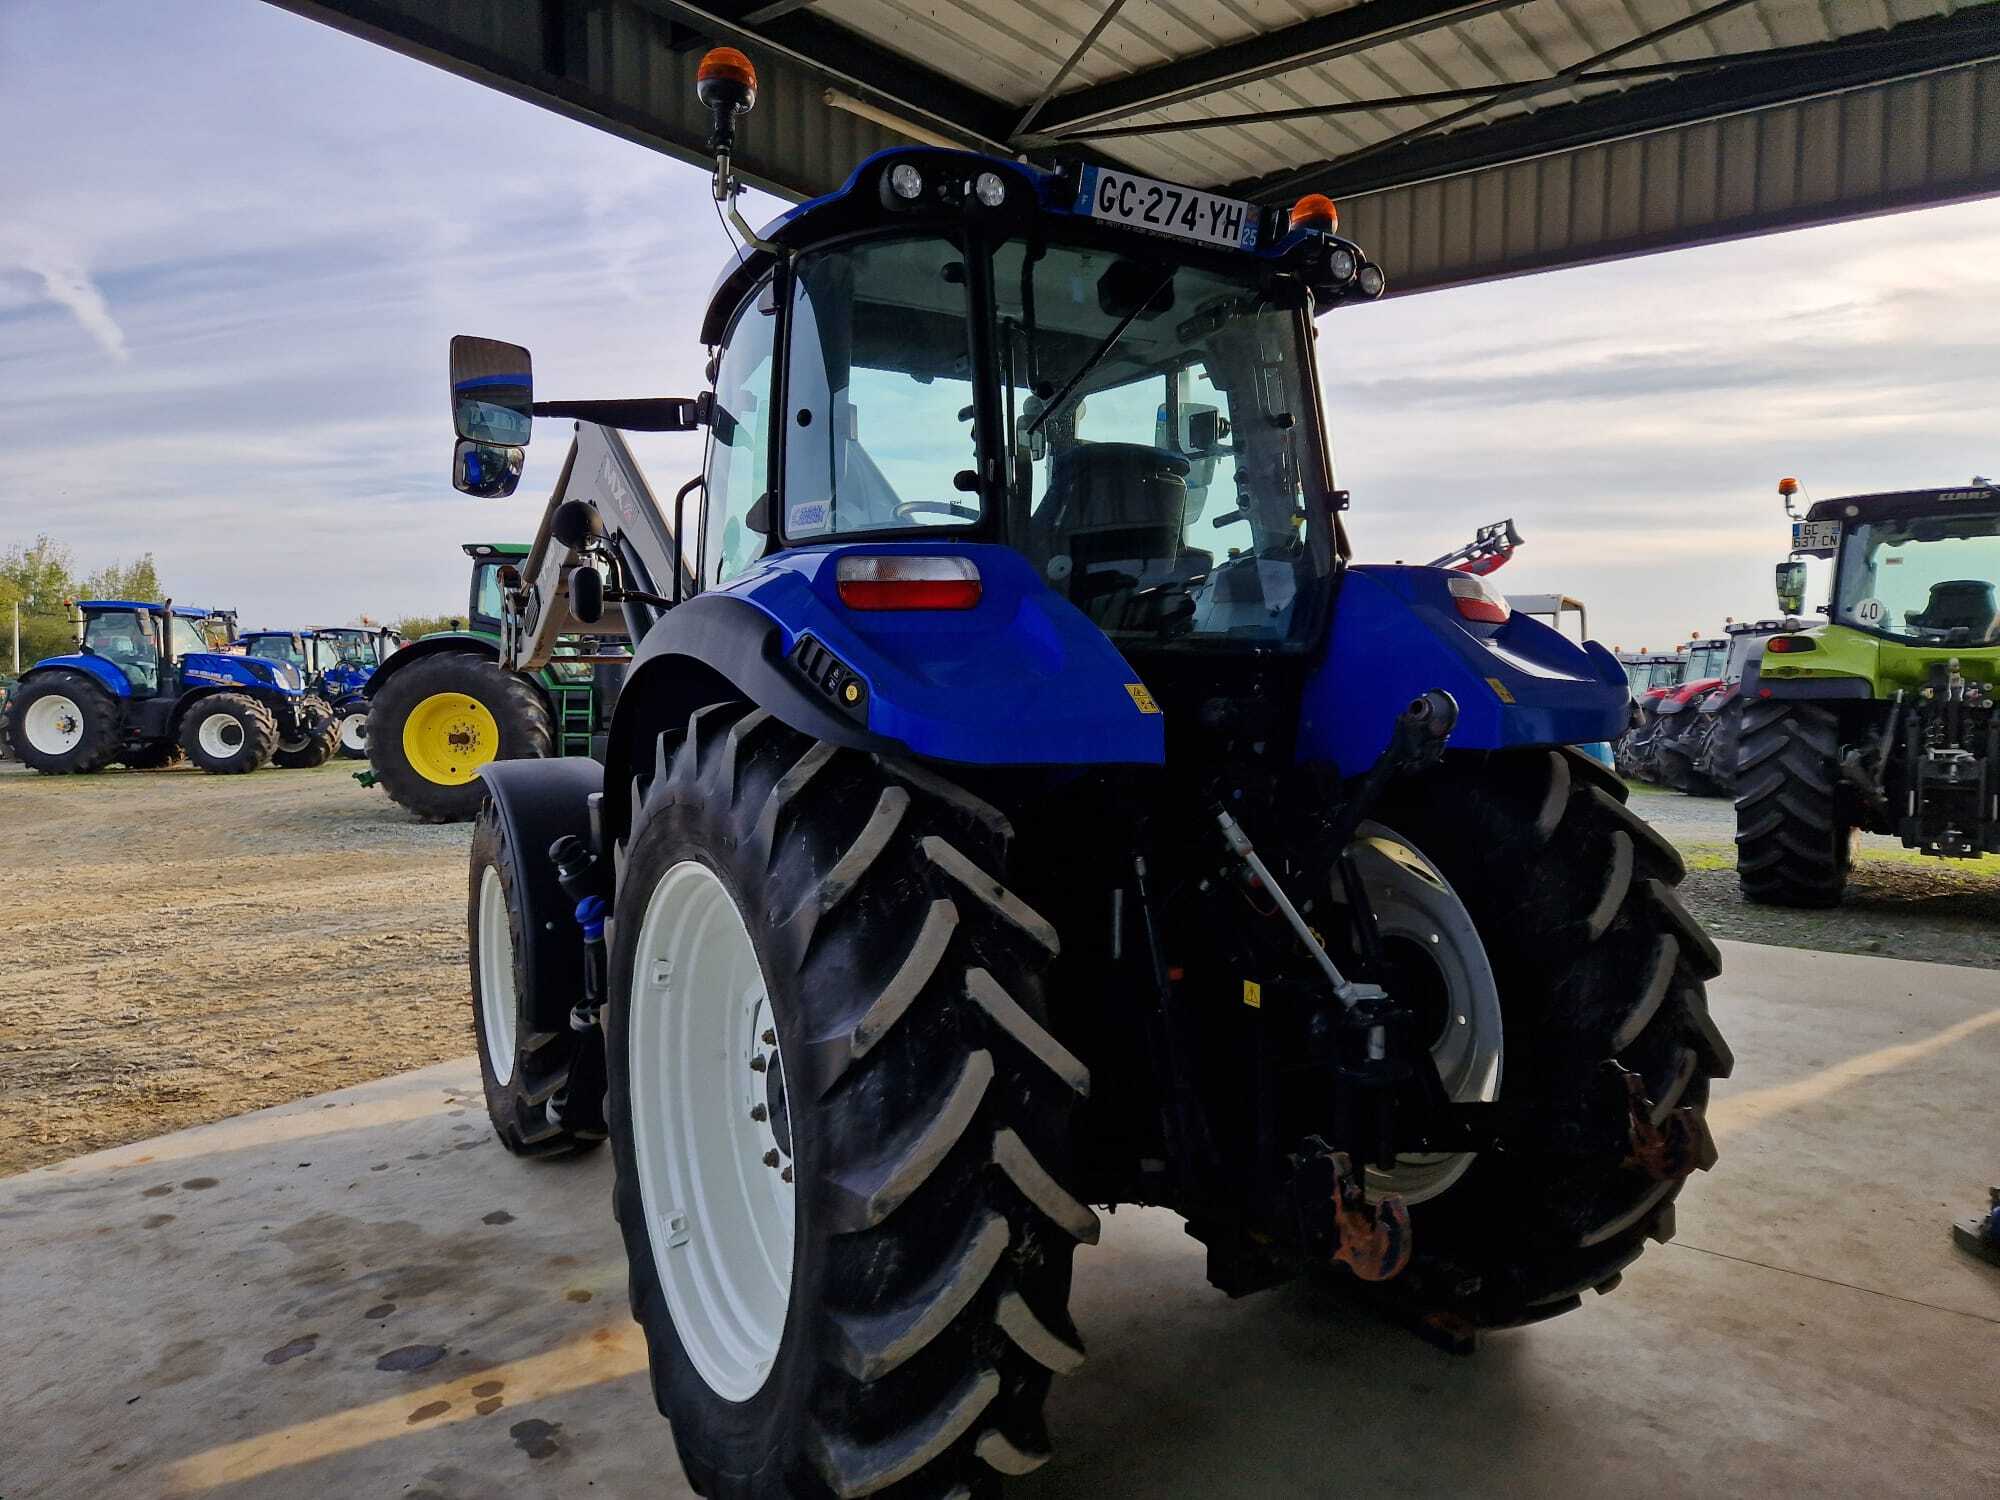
{"points": [[651, 414]]}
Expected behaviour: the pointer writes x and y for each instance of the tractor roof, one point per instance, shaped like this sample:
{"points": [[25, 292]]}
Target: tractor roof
{"points": [[150, 606], [496, 549], [1059, 197], [1902, 503], [251, 635]]}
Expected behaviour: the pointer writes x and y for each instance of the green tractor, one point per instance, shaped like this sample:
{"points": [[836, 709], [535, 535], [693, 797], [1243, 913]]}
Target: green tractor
{"points": [[1883, 718], [448, 703]]}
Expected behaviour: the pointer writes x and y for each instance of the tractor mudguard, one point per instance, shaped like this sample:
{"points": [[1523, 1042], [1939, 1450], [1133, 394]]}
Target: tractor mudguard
{"points": [[101, 670], [1021, 679], [537, 802], [431, 645], [1397, 634]]}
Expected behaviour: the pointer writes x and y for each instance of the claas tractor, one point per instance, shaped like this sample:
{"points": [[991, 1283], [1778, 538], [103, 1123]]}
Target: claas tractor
{"points": [[1883, 718], [1017, 803], [146, 688], [442, 706]]}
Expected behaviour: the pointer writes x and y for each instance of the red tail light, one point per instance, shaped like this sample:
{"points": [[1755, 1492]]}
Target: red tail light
{"points": [[1477, 600], [1785, 645], [904, 582]]}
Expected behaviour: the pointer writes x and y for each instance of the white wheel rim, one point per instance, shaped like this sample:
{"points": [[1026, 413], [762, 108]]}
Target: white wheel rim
{"points": [[53, 725], [1415, 905], [498, 1003], [354, 732], [720, 1219], [220, 735]]}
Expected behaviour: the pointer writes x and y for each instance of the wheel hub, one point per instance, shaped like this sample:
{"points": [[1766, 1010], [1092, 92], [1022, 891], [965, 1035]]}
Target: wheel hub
{"points": [[1437, 967], [53, 725]]}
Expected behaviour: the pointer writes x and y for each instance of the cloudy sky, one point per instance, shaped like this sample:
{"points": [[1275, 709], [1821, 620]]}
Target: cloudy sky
{"points": [[234, 243]]}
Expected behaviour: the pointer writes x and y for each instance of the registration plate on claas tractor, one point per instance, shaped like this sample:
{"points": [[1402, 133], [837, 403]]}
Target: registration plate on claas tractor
{"points": [[1165, 208]]}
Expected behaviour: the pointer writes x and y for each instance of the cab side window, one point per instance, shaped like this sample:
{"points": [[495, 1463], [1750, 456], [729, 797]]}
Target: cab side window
{"points": [[739, 462]]}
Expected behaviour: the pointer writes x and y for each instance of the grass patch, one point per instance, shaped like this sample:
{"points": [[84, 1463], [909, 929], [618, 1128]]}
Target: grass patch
{"points": [[1712, 856]]}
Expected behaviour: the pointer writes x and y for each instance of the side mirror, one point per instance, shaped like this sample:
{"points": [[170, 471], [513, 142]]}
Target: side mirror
{"points": [[481, 469], [492, 391], [1791, 586]]}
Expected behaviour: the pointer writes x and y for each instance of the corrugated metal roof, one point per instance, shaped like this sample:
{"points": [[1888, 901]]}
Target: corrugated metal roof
{"points": [[1622, 111]]}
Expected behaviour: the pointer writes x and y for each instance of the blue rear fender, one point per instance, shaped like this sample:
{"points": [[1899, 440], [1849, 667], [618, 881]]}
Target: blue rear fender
{"points": [[1397, 634], [1021, 679], [99, 669]]}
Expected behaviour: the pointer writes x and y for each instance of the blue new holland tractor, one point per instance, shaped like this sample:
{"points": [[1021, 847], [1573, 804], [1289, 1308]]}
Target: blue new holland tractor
{"points": [[1018, 801], [348, 656], [145, 688], [316, 732]]}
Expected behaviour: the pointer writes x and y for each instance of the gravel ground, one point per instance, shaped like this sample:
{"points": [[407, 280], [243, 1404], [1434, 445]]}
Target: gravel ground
{"points": [[1899, 904], [176, 948]]}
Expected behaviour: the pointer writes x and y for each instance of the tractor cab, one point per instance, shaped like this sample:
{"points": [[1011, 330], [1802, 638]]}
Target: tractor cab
{"points": [[146, 644]]}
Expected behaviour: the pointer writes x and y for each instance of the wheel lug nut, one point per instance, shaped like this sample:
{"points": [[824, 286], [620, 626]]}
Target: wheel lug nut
{"points": [[786, 1175], [759, 1113], [771, 1158], [757, 1063], [770, 1037]]}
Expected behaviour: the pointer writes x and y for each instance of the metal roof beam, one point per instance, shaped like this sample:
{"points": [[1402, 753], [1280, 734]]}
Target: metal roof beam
{"points": [[1307, 44], [1910, 50]]}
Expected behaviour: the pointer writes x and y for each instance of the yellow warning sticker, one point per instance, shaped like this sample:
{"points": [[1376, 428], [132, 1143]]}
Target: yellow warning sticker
{"points": [[1253, 994], [1500, 690], [1142, 698]]}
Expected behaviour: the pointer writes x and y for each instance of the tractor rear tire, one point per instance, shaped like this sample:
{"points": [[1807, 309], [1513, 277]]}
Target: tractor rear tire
{"points": [[156, 755], [229, 734], [1594, 959], [1793, 843], [434, 723], [523, 1070], [63, 725], [317, 737], [880, 998]]}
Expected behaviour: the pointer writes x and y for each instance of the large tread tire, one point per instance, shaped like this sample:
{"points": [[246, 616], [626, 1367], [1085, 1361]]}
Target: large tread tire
{"points": [[516, 704], [1793, 844], [929, 1116], [1595, 959], [320, 734], [158, 755], [102, 724], [258, 742], [539, 1061]]}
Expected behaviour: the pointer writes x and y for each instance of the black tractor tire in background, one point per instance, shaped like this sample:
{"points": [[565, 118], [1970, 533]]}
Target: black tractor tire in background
{"points": [[518, 708], [928, 1114], [317, 737], [252, 733], [155, 755], [102, 725], [539, 1063], [1794, 845], [1595, 959]]}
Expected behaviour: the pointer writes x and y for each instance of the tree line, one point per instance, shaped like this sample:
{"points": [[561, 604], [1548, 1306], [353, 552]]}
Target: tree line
{"points": [[43, 577]]}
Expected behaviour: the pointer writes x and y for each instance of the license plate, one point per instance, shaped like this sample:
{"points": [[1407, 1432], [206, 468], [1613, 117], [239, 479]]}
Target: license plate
{"points": [[1815, 536], [1164, 208]]}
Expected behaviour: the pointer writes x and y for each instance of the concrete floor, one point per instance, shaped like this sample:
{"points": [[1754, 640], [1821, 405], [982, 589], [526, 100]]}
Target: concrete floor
{"points": [[362, 1294]]}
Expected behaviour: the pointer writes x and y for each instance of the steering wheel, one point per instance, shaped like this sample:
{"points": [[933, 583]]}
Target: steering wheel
{"points": [[936, 508]]}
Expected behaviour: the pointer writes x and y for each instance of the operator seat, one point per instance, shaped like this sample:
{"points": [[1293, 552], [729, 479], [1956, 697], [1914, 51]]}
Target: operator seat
{"points": [[1111, 519], [1969, 604]]}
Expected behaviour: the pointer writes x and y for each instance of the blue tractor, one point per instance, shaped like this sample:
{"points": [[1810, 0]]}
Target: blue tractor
{"points": [[146, 688], [348, 656], [1020, 800], [316, 732]]}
